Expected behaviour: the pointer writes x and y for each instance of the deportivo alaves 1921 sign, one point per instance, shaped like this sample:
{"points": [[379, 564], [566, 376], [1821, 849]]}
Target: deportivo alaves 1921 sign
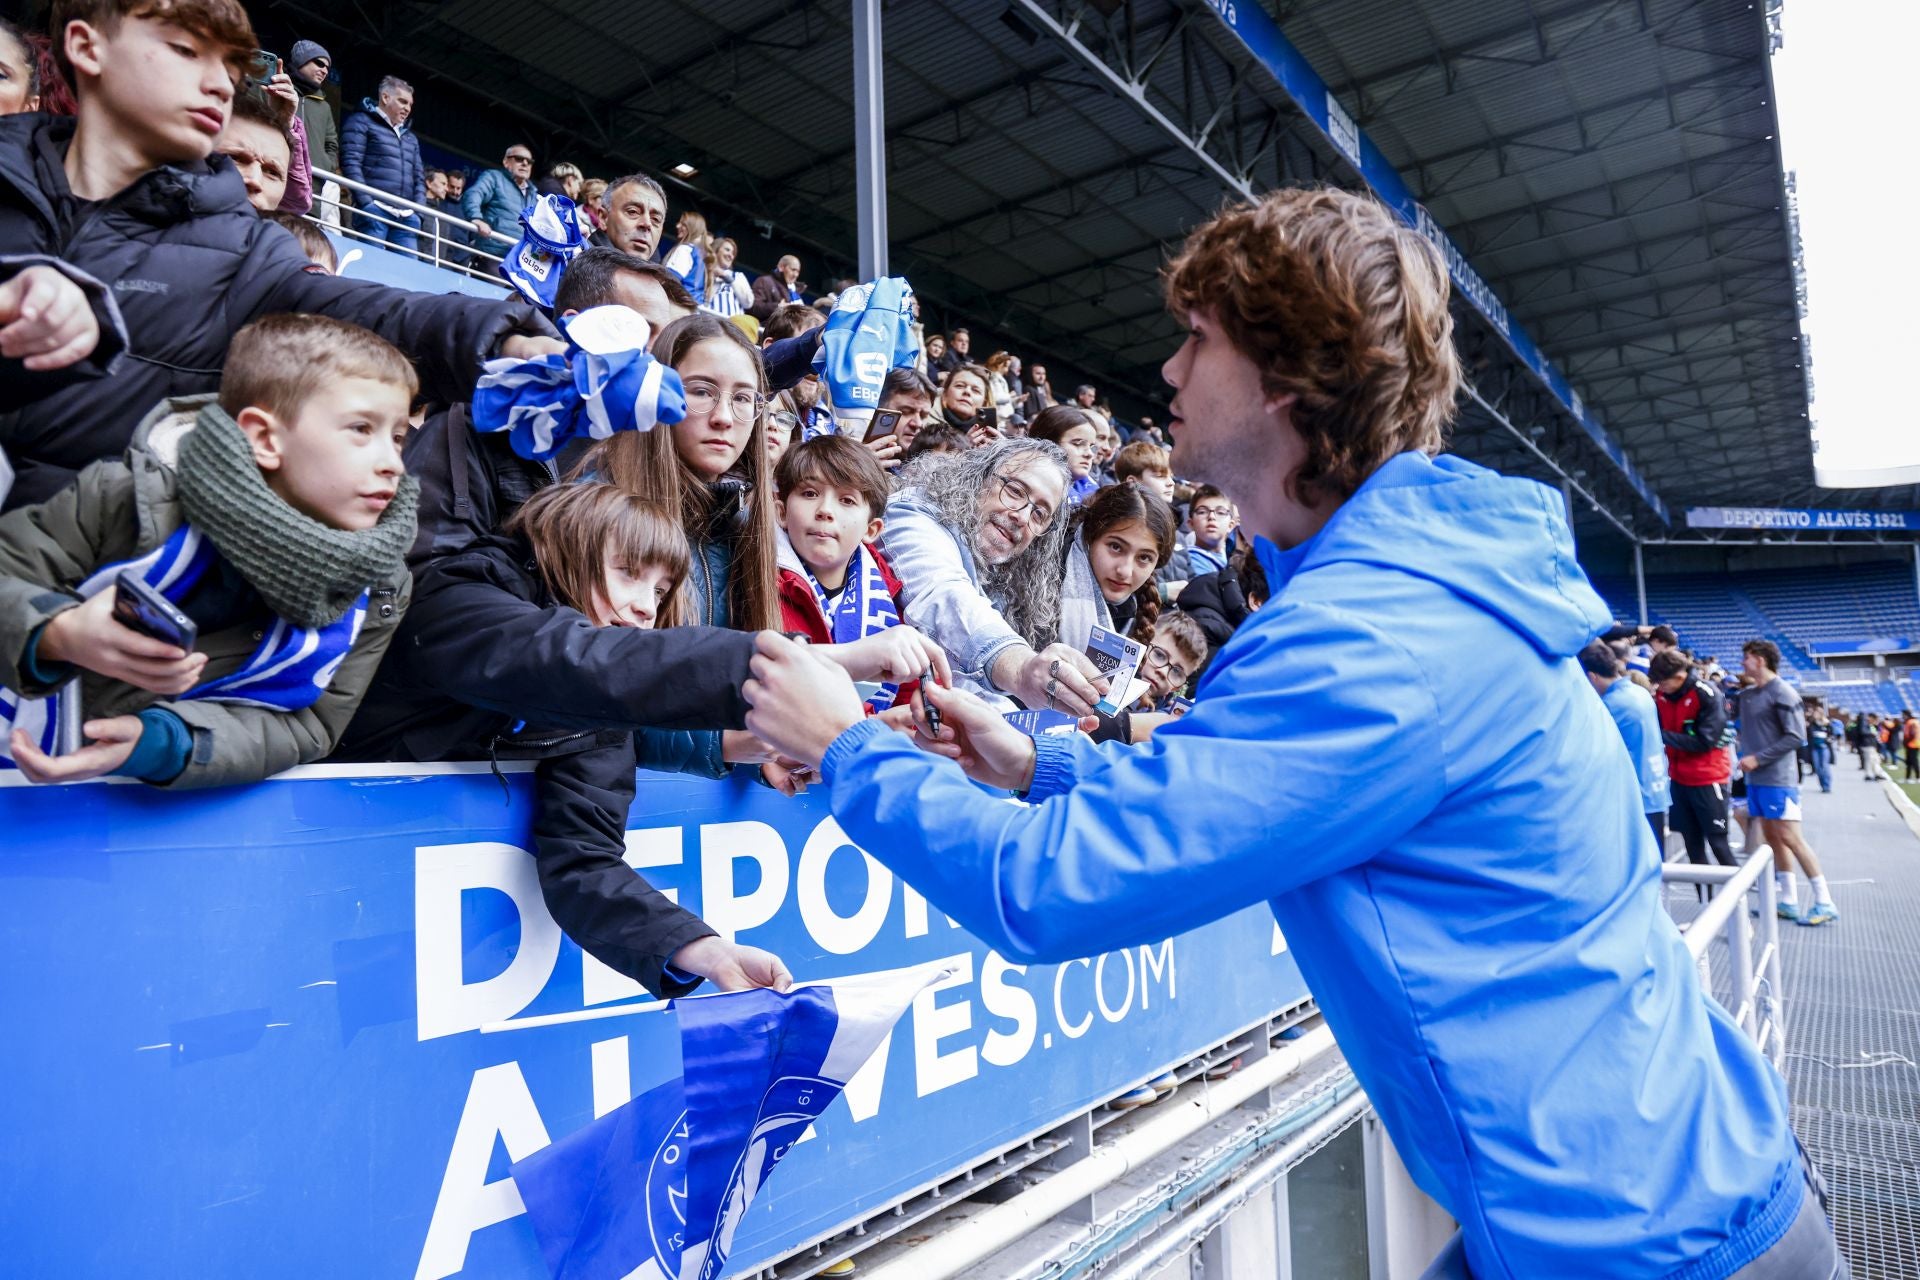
{"points": [[1811, 519]]}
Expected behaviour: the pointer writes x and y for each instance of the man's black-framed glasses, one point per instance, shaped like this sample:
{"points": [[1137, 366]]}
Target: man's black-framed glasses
{"points": [[1017, 499]]}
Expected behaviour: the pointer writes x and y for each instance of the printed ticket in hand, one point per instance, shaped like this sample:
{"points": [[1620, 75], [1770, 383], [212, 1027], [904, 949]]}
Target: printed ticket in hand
{"points": [[1118, 659]]}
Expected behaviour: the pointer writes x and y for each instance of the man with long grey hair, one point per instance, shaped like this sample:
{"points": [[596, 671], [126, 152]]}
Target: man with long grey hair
{"points": [[979, 540]]}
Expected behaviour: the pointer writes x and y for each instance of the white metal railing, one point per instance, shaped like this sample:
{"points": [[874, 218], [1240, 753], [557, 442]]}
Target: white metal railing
{"points": [[433, 245], [1758, 1003]]}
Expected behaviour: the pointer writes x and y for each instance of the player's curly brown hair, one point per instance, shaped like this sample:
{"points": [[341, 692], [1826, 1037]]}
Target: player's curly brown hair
{"points": [[1342, 308]]}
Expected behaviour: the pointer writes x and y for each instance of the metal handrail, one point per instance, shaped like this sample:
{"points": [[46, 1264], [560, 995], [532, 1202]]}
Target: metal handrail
{"points": [[429, 231], [1759, 1004]]}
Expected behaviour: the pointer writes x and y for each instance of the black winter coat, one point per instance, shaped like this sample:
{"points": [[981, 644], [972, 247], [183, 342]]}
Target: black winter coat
{"points": [[1217, 603], [480, 645], [190, 262], [583, 784], [579, 833]]}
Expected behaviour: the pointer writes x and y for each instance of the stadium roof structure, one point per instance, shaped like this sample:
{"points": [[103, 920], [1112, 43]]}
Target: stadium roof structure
{"points": [[1605, 176]]}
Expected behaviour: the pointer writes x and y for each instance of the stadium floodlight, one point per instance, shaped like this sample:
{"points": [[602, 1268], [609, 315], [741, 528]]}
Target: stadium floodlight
{"points": [[684, 170]]}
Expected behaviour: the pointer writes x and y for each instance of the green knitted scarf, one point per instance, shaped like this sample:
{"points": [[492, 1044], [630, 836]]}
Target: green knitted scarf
{"points": [[307, 572]]}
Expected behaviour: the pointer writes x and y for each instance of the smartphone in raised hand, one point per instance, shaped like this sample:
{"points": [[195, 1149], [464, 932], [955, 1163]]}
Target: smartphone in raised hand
{"points": [[262, 67]]}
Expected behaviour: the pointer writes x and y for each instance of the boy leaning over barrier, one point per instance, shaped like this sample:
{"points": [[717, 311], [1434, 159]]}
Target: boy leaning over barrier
{"points": [[272, 519], [835, 586]]}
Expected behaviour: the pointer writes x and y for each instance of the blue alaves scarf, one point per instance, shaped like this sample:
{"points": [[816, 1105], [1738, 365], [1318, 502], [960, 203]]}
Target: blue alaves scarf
{"points": [[866, 609], [605, 382], [288, 671]]}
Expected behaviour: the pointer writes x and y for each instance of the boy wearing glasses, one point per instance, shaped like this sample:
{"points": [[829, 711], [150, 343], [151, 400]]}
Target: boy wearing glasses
{"points": [[1402, 758], [1209, 520]]}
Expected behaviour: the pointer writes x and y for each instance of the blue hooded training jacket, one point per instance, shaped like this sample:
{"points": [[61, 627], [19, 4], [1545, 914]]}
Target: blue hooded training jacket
{"points": [[1400, 752]]}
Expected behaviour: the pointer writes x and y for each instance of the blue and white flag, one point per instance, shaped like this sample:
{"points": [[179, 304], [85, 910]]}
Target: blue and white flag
{"points": [[869, 334], [605, 382], [656, 1190], [288, 670], [550, 238]]}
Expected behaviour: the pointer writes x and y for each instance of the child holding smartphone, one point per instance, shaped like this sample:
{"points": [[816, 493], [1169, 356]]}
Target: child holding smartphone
{"points": [[266, 528]]}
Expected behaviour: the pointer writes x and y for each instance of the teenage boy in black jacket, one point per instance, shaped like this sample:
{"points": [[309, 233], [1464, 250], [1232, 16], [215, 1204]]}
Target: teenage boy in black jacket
{"points": [[128, 192]]}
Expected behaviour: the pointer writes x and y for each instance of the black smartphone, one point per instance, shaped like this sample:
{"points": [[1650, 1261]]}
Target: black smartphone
{"points": [[885, 423], [262, 67], [138, 607], [990, 415]]}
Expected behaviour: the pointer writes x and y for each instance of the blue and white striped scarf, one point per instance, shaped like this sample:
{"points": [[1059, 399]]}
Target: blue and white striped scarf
{"points": [[288, 671], [866, 608], [605, 382]]}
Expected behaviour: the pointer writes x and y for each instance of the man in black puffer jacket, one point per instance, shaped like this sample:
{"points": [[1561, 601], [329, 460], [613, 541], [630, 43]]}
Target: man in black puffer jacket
{"points": [[1221, 601], [190, 263]]}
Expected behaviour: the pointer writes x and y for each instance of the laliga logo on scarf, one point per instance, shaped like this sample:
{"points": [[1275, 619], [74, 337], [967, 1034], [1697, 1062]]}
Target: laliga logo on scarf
{"points": [[550, 239]]}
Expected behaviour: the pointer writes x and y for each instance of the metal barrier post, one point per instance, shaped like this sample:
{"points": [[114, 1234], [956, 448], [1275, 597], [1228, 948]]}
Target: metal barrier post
{"points": [[1758, 1002]]}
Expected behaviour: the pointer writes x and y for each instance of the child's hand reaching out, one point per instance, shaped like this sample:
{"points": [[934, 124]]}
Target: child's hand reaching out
{"points": [[109, 743]]}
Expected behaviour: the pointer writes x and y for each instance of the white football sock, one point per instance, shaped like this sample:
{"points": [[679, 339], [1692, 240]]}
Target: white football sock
{"points": [[1820, 893]]}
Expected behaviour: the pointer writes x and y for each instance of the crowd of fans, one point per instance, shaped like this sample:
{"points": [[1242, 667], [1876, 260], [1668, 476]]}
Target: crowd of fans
{"points": [[252, 519]]}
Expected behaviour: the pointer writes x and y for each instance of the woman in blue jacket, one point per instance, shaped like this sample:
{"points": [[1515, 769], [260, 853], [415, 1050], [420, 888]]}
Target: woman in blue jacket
{"points": [[1401, 756]]}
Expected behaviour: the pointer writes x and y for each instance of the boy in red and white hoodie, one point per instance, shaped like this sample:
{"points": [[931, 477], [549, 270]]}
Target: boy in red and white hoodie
{"points": [[835, 586]]}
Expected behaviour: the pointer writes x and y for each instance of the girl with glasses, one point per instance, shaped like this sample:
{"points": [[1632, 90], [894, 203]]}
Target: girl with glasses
{"points": [[711, 467]]}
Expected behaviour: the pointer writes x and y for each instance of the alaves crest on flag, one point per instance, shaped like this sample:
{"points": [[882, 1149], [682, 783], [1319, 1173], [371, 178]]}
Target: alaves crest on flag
{"points": [[656, 1189], [605, 382], [869, 334]]}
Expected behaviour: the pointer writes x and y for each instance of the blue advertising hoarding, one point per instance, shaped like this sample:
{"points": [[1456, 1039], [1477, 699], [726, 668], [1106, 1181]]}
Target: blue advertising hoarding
{"points": [[1803, 519], [1249, 22], [304, 1027]]}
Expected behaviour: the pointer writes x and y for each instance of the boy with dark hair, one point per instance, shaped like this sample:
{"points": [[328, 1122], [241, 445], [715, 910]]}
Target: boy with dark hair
{"points": [[1209, 520], [935, 437], [1693, 721], [1638, 720], [835, 586], [129, 192], [275, 518]]}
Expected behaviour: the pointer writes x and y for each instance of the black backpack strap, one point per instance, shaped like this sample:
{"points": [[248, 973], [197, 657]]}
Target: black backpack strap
{"points": [[457, 446]]}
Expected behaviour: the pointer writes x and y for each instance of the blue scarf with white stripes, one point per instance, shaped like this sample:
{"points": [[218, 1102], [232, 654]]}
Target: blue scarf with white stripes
{"points": [[866, 608], [605, 382], [288, 670]]}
